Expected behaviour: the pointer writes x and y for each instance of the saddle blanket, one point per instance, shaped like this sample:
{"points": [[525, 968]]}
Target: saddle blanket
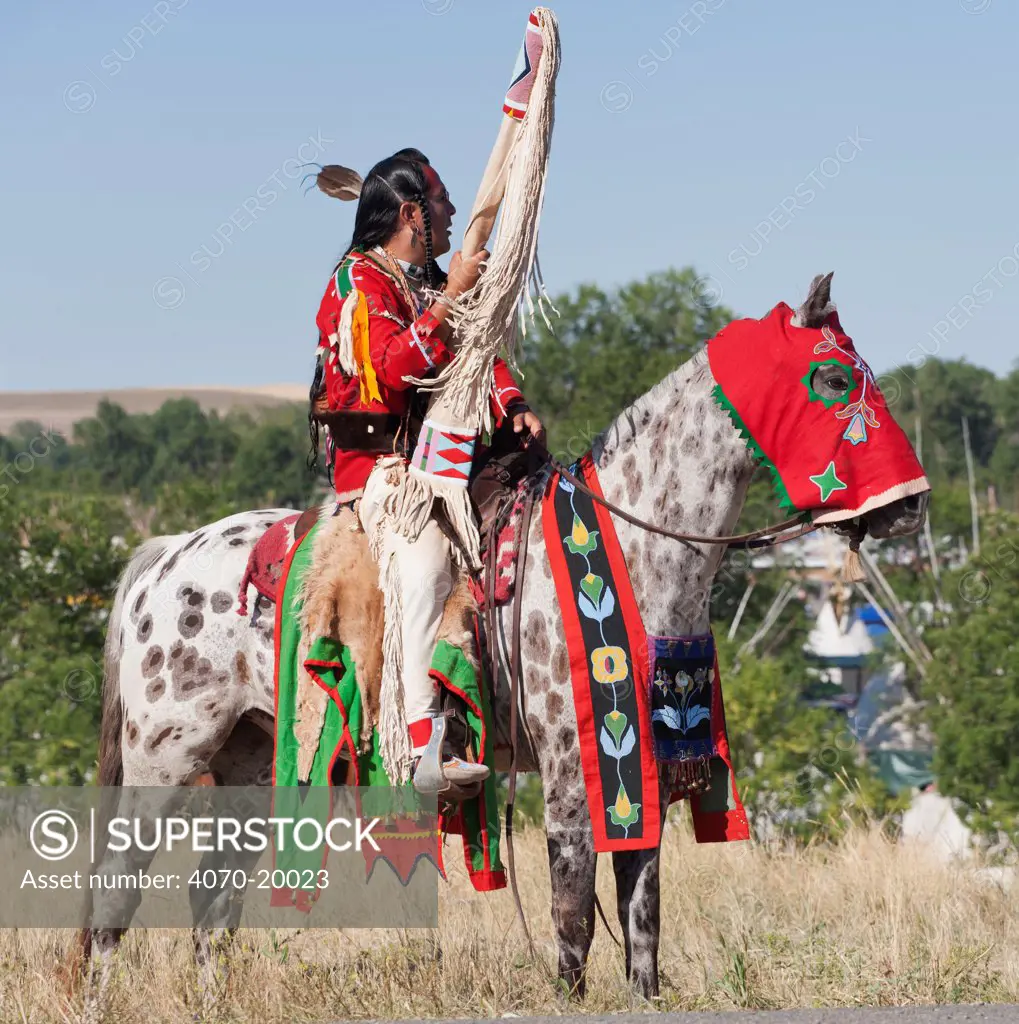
{"points": [[642, 727], [265, 563], [328, 661]]}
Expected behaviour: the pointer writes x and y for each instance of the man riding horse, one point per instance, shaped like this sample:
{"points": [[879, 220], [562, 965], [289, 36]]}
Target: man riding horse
{"points": [[614, 595], [383, 319]]}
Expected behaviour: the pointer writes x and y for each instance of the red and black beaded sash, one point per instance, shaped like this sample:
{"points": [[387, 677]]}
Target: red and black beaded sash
{"points": [[608, 657], [642, 702]]}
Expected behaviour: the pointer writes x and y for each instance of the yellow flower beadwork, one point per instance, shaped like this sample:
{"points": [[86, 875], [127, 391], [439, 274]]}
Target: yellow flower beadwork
{"points": [[609, 664], [622, 804], [580, 540]]}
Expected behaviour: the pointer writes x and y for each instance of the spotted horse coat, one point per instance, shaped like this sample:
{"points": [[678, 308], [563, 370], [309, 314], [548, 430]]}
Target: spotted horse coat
{"points": [[189, 684]]}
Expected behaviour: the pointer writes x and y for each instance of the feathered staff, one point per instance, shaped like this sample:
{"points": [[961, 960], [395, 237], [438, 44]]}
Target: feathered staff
{"points": [[485, 319]]}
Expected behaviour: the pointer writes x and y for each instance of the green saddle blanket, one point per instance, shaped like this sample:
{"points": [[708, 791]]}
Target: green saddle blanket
{"points": [[330, 665]]}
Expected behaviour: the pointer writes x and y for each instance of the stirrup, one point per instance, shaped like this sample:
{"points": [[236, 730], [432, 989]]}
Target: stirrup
{"points": [[436, 773]]}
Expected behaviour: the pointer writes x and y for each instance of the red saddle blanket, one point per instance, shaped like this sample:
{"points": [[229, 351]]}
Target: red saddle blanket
{"points": [[265, 563]]}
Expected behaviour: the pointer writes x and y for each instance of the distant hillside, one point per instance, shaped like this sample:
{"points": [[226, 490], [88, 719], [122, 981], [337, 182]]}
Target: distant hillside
{"points": [[59, 410]]}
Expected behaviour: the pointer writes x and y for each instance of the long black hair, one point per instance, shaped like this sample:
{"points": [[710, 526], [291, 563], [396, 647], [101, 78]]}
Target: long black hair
{"points": [[398, 179]]}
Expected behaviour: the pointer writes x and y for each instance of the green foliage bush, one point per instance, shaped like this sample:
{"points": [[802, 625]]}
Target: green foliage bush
{"points": [[800, 771], [59, 559], [972, 685]]}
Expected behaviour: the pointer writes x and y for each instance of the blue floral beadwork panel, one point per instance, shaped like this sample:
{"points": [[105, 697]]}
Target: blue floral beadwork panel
{"points": [[681, 682]]}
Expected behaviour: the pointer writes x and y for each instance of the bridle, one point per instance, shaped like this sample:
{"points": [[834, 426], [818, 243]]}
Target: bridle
{"points": [[762, 538]]}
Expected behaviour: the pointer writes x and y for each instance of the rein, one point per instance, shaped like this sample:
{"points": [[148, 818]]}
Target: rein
{"points": [[765, 537], [753, 539]]}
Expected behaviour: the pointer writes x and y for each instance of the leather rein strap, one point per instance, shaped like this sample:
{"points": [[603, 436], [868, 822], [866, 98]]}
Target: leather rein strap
{"points": [[525, 529], [762, 538], [766, 537]]}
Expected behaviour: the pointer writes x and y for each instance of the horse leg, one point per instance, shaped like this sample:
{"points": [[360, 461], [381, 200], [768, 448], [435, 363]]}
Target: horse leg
{"points": [[638, 903], [572, 862], [244, 760], [639, 908], [215, 913], [159, 767], [119, 904]]}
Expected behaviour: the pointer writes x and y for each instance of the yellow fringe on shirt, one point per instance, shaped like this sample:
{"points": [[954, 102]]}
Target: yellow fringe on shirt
{"points": [[362, 353]]}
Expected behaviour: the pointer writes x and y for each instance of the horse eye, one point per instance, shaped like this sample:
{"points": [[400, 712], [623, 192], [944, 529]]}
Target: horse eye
{"points": [[837, 383]]}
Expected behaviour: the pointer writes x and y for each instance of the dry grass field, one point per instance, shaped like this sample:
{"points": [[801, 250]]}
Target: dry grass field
{"points": [[60, 410], [866, 923]]}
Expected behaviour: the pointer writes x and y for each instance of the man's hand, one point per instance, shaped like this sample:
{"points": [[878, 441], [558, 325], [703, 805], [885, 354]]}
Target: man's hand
{"points": [[464, 273], [528, 420]]}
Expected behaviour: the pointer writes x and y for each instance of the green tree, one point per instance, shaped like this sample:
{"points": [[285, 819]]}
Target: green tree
{"points": [[799, 768], [59, 560], [972, 685], [189, 445], [1005, 460], [185, 506], [948, 391], [117, 447], [269, 467], [607, 349]]}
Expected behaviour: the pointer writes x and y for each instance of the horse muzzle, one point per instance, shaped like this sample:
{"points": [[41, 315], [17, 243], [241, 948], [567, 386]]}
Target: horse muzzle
{"points": [[898, 518]]}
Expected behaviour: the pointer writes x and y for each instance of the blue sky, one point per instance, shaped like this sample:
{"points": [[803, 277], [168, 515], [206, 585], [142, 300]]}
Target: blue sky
{"points": [[760, 143]]}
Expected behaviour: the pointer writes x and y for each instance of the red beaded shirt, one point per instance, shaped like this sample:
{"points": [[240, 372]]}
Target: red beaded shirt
{"points": [[401, 342]]}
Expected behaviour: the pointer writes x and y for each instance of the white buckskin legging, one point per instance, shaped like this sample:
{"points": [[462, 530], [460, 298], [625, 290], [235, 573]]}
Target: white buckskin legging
{"points": [[420, 571]]}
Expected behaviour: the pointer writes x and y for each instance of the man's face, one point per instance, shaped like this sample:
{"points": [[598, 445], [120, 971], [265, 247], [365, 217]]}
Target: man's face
{"points": [[441, 211]]}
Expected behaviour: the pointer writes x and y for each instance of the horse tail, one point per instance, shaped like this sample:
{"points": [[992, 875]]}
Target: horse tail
{"points": [[110, 771]]}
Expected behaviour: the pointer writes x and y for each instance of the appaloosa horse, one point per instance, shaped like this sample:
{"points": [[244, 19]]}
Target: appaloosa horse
{"points": [[189, 684]]}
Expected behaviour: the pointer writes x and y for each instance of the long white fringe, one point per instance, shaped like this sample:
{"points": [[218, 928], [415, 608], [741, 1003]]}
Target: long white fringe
{"points": [[394, 738], [486, 319], [345, 348]]}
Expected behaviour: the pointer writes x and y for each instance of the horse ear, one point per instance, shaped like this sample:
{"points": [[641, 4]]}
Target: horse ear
{"points": [[818, 304], [339, 182]]}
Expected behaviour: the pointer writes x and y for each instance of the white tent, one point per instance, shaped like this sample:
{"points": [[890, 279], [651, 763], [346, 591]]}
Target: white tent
{"points": [[832, 642]]}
